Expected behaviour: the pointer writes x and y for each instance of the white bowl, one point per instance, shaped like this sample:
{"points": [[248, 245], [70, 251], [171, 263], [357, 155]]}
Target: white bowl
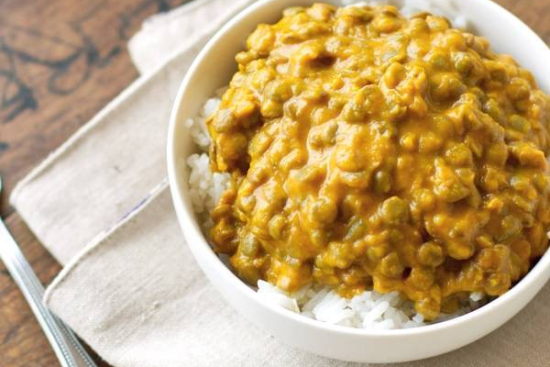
{"points": [[212, 69]]}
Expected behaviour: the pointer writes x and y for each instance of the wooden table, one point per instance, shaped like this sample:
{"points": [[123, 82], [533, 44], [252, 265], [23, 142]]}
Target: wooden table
{"points": [[61, 61]]}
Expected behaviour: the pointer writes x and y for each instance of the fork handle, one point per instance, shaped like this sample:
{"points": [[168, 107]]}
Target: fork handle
{"points": [[66, 346]]}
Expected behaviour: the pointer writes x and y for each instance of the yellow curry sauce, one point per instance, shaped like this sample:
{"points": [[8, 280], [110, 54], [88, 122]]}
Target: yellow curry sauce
{"points": [[372, 151]]}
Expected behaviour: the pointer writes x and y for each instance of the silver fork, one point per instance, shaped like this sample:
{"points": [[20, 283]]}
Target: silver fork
{"points": [[66, 346]]}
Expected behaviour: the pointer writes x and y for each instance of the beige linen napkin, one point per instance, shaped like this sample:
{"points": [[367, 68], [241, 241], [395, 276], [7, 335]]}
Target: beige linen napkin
{"points": [[130, 287]]}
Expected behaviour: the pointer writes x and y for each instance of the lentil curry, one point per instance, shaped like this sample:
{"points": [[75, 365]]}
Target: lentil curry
{"points": [[372, 151]]}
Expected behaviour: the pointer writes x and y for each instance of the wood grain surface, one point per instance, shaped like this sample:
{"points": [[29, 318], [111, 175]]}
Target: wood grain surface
{"points": [[61, 61]]}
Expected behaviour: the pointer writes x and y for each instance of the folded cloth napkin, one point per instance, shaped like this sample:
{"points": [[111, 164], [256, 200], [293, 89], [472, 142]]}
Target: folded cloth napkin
{"points": [[130, 287]]}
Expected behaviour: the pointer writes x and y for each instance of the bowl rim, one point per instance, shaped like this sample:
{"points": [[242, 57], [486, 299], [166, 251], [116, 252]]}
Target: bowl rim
{"points": [[193, 231]]}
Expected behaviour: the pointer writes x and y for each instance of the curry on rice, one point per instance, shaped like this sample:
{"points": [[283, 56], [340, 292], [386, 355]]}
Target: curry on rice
{"points": [[372, 151]]}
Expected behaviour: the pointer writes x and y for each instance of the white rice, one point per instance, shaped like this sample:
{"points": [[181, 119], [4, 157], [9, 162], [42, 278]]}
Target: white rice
{"points": [[369, 310], [205, 186]]}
